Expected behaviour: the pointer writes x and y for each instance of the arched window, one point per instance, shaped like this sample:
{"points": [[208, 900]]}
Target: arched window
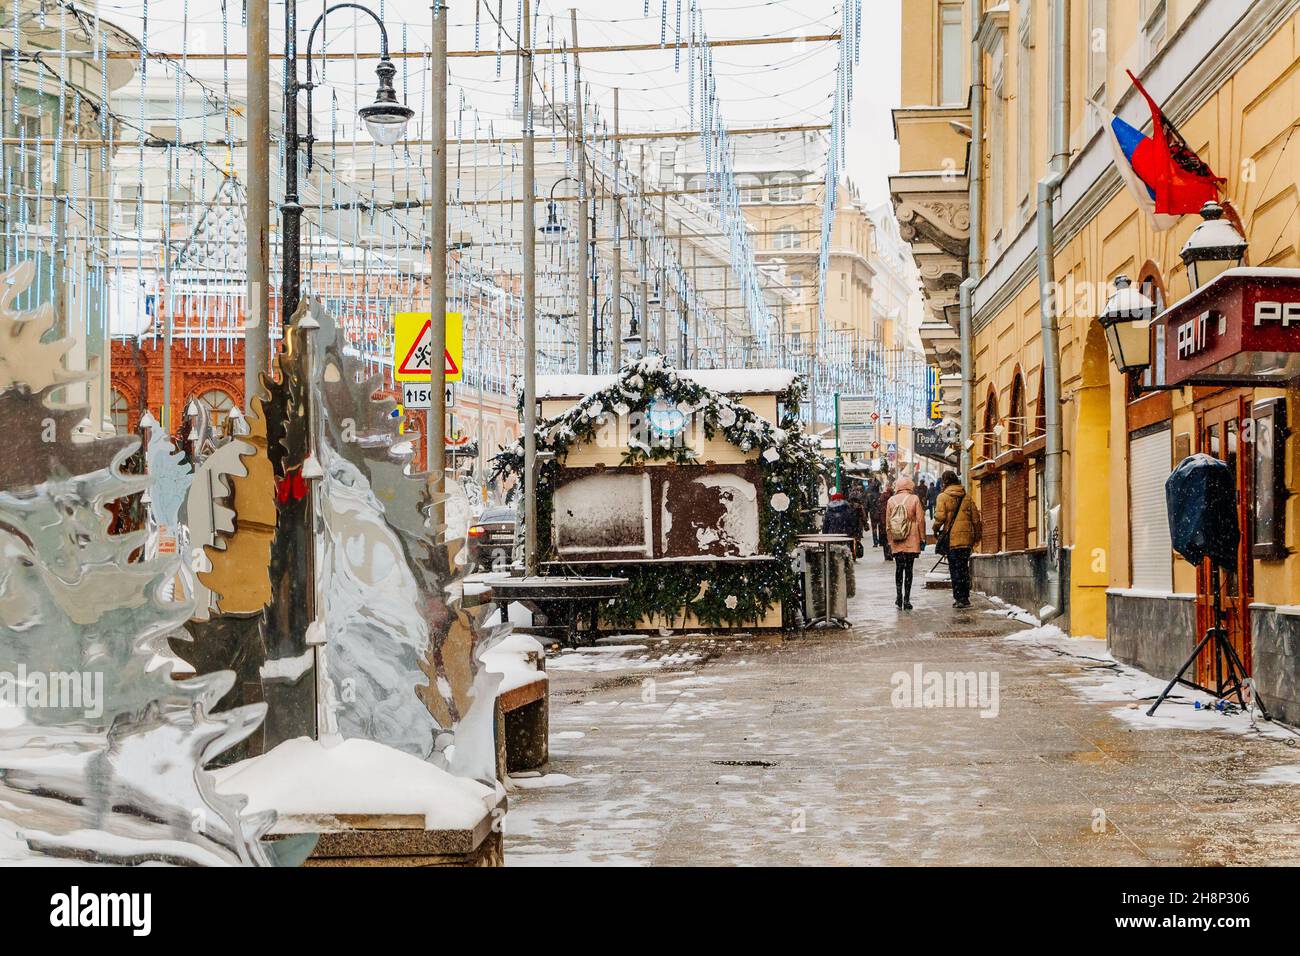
{"points": [[990, 423], [1017, 474], [218, 403], [787, 237], [1016, 425], [120, 411], [783, 188], [1152, 285], [991, 482], [1040, 409]]}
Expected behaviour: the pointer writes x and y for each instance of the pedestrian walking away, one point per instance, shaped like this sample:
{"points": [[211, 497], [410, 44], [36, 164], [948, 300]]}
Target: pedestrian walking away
{"points": [[871, 499], [878, 517], [841, 517], [857, 499], [905, 528], [958, 529]]}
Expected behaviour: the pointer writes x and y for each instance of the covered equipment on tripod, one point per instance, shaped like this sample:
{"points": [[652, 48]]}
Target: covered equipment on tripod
{"points": [[1201, 500]]}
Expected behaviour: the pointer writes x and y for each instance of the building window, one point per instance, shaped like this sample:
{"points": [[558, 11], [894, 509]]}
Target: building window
{"points": [[997, 141], [1098, 37], [129, 196], [990, 425], [1155, 27], [784, 188], [1024, 109], [1016, 420], [787, 237], [218, 403], [119, 410], [952, 82], [667, 166], [29, 131], [751, 188]]}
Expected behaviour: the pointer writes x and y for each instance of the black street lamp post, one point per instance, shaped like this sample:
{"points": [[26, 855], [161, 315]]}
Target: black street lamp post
{"points": [[385, 120]]}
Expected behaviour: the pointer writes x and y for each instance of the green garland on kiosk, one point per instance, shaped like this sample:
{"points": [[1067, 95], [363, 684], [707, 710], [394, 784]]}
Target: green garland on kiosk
{"points": [[718, 593]]}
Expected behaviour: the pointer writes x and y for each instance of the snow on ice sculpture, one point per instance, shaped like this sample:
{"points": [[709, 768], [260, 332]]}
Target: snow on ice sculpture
{"points": [[101, 752], [403, 654]]}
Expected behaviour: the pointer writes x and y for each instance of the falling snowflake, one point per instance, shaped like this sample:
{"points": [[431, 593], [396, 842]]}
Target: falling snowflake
{"points": [[780, 501]]}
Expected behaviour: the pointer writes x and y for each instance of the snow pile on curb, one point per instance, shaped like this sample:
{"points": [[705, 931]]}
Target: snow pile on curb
{"points": [[532, 780], [332, 776], [617, 657], [1110, 681], [1003, 609]]}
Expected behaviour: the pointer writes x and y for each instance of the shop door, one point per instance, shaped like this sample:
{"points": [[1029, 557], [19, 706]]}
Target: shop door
{"points": [[1219, 430]]}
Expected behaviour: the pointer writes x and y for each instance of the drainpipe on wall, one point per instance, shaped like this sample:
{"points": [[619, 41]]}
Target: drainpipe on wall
{"points": [[974, 263], [1047, 299]]}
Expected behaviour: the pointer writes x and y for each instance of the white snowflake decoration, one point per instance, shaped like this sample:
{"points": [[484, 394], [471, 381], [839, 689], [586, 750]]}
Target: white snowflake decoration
{"points": [[780, 501], [731, 602]]}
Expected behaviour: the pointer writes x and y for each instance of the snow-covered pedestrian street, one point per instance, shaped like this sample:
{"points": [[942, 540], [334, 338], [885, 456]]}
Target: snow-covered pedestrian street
{"points": [[770, 751]]}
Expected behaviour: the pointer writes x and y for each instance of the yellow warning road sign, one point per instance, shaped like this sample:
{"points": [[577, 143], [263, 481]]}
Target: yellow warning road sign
{"points": [[411, 347]]}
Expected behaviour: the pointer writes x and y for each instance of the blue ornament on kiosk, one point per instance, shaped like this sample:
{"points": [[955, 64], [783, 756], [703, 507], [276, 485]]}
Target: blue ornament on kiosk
{"points": [[666, 418]]}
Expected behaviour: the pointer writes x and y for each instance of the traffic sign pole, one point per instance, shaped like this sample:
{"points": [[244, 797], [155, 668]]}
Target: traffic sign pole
{"points": [[435, 423]]}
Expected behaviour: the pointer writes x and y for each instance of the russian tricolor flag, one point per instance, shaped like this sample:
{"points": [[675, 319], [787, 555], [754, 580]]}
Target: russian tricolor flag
{"points": [[1164, 175]]}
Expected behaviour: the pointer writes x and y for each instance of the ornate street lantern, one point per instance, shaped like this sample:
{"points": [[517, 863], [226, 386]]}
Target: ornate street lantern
{"points": [[386, 118], [632, 341], [1126, 321], [1213, 247]]}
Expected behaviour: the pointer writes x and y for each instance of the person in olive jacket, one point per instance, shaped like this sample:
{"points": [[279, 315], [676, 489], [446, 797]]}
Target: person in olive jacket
{"points": [[956, 514]]}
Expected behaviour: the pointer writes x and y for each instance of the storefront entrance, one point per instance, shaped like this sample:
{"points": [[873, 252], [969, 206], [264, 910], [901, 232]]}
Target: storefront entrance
{"points": [[1220, 432]]}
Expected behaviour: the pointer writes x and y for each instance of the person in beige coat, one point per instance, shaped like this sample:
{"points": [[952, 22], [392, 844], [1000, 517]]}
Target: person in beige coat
{"points": [[905, 530]]}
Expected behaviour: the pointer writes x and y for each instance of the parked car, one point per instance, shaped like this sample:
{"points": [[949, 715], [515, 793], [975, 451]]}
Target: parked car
{"points": [[491, 539]]}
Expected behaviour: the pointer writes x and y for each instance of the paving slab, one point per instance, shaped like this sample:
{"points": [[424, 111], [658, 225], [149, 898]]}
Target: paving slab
{"points": [[774, 750]]}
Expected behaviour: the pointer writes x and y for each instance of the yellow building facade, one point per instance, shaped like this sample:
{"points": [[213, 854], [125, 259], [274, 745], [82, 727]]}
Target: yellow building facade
{"points": [[1227, 73]]}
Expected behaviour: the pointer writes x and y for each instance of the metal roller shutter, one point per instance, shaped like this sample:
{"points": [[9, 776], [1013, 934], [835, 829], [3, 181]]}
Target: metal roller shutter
{"points": [[1149, 459]]}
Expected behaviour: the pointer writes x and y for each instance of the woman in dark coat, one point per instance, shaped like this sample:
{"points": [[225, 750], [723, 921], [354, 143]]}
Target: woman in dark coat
{"points": [[878, 518], [870, 500]]}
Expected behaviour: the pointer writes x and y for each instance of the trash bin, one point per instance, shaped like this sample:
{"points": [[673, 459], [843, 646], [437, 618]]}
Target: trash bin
{"points": [[842, 582]]}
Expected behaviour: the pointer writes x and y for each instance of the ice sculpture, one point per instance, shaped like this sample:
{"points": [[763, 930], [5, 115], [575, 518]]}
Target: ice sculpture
{"points": [[357, 627], [101, 751], [402, 653]]}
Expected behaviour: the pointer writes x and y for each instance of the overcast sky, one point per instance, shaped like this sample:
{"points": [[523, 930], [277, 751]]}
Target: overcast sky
{"points": [[758, 85]]}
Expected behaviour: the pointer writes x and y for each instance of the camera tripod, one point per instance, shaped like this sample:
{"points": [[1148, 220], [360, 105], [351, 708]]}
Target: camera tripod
{"points": [[1230, 675]]}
